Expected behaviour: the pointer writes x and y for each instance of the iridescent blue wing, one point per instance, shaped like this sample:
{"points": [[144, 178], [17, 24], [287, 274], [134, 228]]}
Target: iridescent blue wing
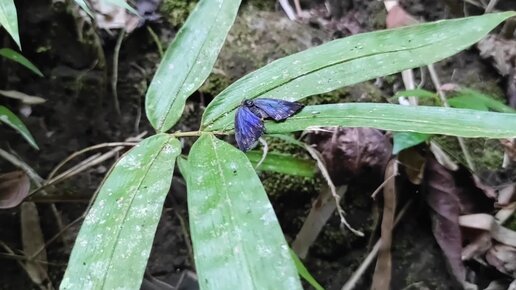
{"points": [[248, 128], [273, 108]]}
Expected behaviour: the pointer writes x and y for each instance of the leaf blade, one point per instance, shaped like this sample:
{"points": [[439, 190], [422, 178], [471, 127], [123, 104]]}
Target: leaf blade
{"points": [[115, 239], [9, 19], [348, 61], [238, 243], [421, 119], [188, 61], [17, 57], [283, 163], [9, 118]]}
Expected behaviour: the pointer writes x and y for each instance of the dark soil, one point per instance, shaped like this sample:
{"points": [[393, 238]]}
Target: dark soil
{"points": [[80, 112]]}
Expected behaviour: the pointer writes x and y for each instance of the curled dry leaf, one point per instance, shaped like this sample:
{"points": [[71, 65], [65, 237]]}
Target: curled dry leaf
{"points": [[32, 240], [486, 222], [352, 153], [383, 269], [14, 187], [503, 258], [443, 198]]}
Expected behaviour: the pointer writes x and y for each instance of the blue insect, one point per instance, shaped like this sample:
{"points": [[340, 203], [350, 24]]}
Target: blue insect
{"points": [[249, 118]]}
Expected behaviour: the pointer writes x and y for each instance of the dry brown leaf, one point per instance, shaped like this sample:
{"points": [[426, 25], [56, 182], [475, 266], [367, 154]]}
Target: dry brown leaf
{"points": [[322, 209], [14, 187], [383, 269], [500, 50], [443, 198], [24, 98], [503, 258], [398, 17], [32, 240], [353, 153], [486, 222], [413, 164]]}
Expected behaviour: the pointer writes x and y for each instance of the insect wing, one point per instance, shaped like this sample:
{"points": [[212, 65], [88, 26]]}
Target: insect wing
{"points": [[248, 128], [276, 109]]}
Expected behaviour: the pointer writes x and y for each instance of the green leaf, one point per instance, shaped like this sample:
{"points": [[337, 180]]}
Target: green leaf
{"points": [[123, 4], [116, 237], [475, 100], [283, 163], [15, 56], [188, 61], [238, 243], [349, 61], [418, 93], [84, 6], [9, 19], [9, 118], [303, 272], [422, 119], [404, 140]]}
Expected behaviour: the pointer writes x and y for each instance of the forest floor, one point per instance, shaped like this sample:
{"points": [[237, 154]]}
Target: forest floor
{"points": [[81, 111]]}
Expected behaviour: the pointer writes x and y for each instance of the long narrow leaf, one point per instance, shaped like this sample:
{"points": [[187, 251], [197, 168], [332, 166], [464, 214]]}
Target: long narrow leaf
{"points": [[188, 61], [9, 118], [116, 237], [348, 61], [15, 56], [283, 163], [422, 119], [238, 243], [9, 19], [303, 272]]}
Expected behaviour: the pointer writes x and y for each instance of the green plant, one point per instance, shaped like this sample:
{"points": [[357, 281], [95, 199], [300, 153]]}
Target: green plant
{"points": [[9, 21], [237, 240]]}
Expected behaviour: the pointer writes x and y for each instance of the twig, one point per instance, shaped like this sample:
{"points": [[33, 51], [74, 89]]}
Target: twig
{"points": [[288, 9], [351, 283], [114, 77], [315, 155], [156, 40], [437, 85], [491, 6], [373, 195], [264, 153]]}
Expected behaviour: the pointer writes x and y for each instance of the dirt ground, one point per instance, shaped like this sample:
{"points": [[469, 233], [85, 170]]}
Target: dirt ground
{"points": [[80, 112]]}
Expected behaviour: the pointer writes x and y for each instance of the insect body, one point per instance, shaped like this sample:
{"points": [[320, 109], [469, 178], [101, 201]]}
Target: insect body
{"points": [[249, 118]]}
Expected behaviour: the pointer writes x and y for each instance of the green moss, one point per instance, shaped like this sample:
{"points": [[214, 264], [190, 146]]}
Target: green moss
{"points": [[176, 11], [511, 223]]}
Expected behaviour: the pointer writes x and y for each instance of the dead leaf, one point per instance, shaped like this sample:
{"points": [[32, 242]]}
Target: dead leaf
{"points": [[478, 247], [442, 157], [353, 153], [110, 16], [442, 197], [500, 51], [14, 187], [398, 17], [486, 222], [503, 258], [383, 269], [413, 164], [509, 146], [24, 98], [322, 209], [32, 240]]}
